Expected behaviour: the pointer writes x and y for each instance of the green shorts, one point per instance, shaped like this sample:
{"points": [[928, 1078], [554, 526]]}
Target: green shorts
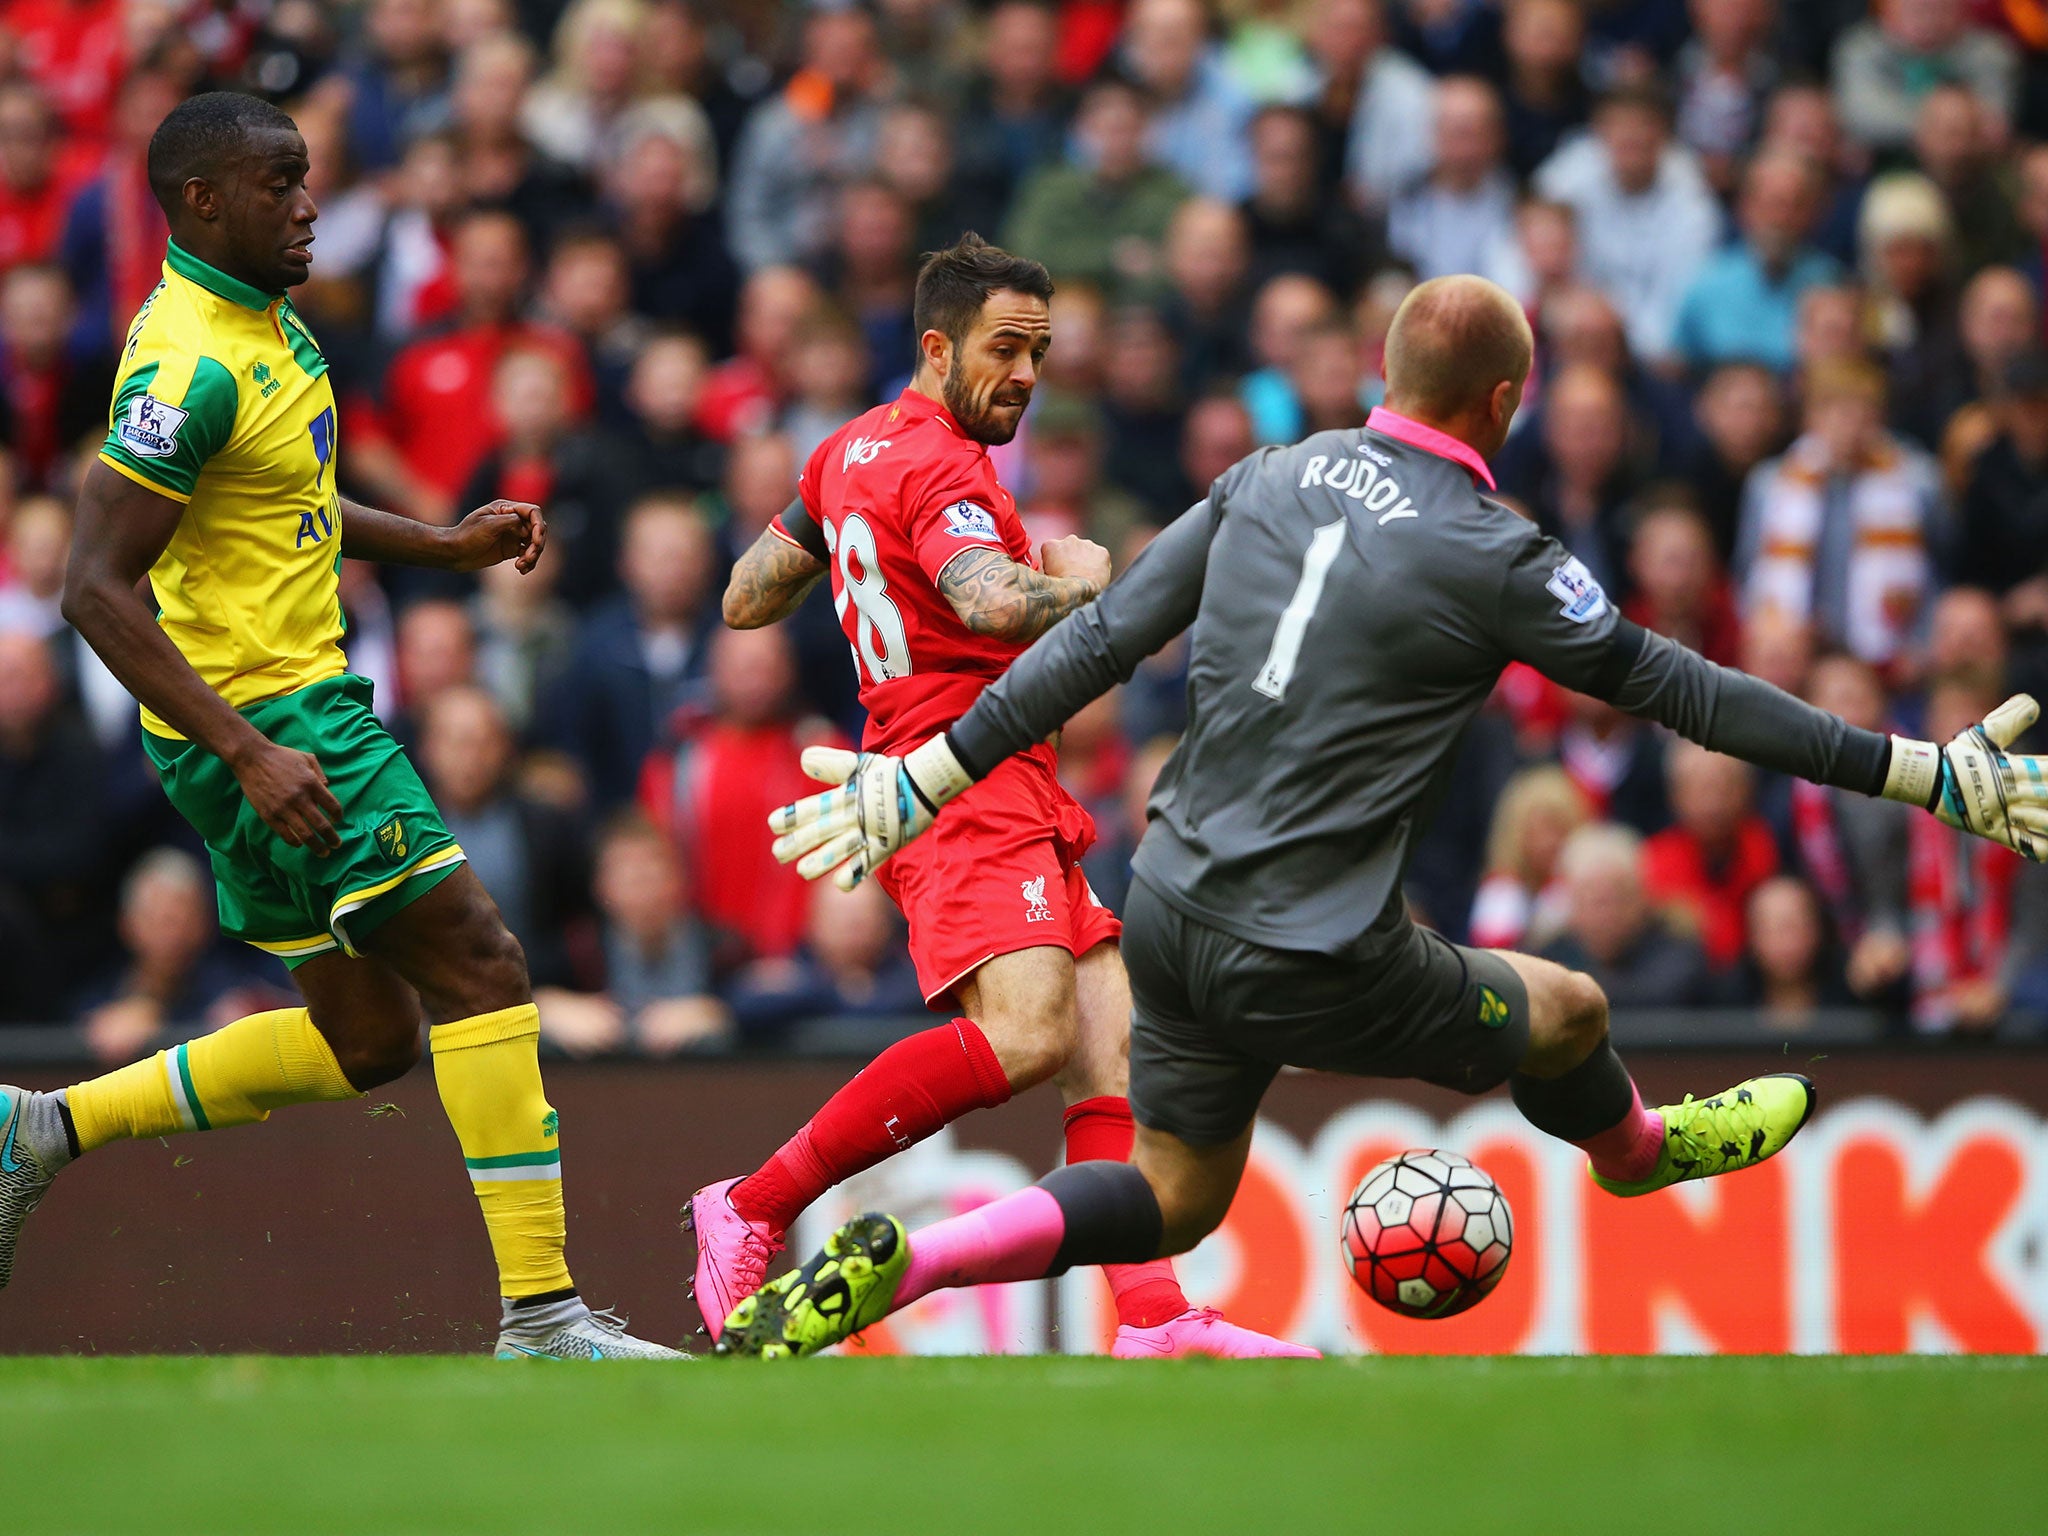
{"points": [[291, 902]]}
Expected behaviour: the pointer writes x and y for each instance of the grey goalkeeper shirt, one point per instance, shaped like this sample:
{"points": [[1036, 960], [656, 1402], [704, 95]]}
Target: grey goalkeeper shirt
{"points": [[1353, 599]]}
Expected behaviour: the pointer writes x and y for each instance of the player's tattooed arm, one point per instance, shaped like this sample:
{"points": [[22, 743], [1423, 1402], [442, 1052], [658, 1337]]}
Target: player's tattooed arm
{"points": [[1008, 600], [770, 582]]}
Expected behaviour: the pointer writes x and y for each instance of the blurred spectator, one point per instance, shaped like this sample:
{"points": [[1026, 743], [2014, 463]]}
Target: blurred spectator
{"points": [[1960, 891], [1541, 261], [1907, 240], [1998, 320], [410, 270], [524, 636], [718, 773], [638, 656], [38, 543], [529, 855], [1578, 327], [1068, 494], [1292, 224], [831, 373], [1612, 934], [877, 264], [1199, 112], [587, 291], [657, 960], [1101, 221], [1801, 119], [1458, 217], [659, 190], [800, 147], [1208, 259], [1451, 37], [1545, 91], [544, 457], [417, 449], [1141, 411], [575, 115], [52, 831], [114, 232], [1744, 304], [1646, 216], [53, 391], [1851, 847], [1369, 98], [745, 392], [1218, 433], [1521, 902], [1015, 119], [436, 652], [1957, 145], [1617, 762], [681, 55], [1837, 530], [1679, 588], [1284, 311], [1883, 67], [500, 165], [661, 445], [2002, 540], [1717, 850], [397, 80], [74, 51], [1790, 969], [1587, 478], [851, 979], [1326, 376], [174, 973], [38, 175], [1740, 411], [915, 156], [1724, 76], [1966, 642]]}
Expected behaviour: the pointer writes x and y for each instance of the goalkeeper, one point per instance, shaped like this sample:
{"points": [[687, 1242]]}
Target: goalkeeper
{"points": [[1353, 599]]}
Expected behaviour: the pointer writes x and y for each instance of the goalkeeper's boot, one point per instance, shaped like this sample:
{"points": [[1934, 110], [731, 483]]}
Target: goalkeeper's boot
{"points": [[847, 1286], [586, 1335], [33, 1146], [1737, 1128], [1203, 1331], [733, 1253]]}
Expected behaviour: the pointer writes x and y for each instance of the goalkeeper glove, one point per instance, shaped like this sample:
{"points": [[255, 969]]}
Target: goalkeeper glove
{"points": [[881, 803], [1974, 784]]}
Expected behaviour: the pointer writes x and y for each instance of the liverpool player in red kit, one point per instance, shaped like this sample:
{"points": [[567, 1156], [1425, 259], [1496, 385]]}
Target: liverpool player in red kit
{"points": [[935, 584]]}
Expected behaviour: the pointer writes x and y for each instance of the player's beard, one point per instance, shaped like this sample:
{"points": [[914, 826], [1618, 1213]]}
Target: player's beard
{"points": [[982, 423]]}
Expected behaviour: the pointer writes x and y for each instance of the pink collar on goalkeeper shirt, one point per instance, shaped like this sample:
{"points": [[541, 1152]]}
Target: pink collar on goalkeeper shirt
{"points": [[1429, 440]]}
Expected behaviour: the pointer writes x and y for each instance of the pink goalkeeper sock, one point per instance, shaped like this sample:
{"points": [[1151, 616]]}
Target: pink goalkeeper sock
{"points": [[1627, 1151], [1014, 1238]]}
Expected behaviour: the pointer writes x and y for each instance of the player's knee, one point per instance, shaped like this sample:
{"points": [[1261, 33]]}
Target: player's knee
{"points": [[1032, 1040], [1572, 1021], [1186, 1216], [378, 1054], [486, 969]]}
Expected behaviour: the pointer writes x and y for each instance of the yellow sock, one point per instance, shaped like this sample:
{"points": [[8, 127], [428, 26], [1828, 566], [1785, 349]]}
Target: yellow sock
{"points": [[236, 1075], [488, 1071]]}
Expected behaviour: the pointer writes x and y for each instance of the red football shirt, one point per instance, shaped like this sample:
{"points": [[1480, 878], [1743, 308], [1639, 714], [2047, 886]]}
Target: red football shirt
{"points": [[899, 493]]}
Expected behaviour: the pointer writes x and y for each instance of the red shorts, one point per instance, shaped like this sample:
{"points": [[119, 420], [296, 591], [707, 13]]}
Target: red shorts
{"points": [[998, 872]]}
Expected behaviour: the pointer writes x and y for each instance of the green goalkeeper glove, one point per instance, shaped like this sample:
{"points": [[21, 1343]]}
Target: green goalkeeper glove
{"points": [[1974, 784], [881, 803]]}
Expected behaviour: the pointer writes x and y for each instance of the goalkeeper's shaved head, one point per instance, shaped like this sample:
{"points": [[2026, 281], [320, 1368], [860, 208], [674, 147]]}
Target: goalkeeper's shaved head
{"points": [[1453, 344]]}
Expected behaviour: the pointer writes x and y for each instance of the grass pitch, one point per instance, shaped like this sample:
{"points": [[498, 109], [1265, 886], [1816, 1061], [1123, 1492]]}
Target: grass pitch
{"points": [[1048, 1447]]}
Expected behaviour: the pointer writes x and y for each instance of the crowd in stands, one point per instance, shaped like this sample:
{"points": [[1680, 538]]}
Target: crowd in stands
{"points": [[634, 259]]}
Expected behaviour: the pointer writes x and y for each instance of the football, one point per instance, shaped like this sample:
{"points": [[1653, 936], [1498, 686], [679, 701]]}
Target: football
{"points": [[1427, 1234]]}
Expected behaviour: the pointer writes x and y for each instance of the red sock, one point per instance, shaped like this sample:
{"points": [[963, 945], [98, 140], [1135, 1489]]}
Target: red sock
{"points": [[1100, 1130], [899, 1098], [1627, 1151]]}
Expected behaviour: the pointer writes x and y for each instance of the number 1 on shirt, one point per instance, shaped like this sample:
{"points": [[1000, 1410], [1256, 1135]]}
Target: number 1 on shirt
{"points": [[1315, 570]]}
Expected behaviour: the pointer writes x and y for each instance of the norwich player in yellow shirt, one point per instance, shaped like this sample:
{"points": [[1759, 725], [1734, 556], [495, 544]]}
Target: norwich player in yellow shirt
{"points": [[216, 481]]}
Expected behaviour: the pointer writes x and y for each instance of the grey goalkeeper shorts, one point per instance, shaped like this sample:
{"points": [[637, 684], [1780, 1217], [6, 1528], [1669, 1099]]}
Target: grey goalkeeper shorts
{"points": [[1215, 1017]]}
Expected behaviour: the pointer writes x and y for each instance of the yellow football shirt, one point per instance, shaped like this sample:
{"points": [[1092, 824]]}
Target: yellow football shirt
{"points": [[222, 402]]}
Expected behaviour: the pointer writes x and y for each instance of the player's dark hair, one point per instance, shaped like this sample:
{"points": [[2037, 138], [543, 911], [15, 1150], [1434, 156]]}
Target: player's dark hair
{"points": [[953, 284], [200, 135]]}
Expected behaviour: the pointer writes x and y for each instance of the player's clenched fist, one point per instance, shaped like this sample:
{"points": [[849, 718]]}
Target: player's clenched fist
{"points": [[1076, 557], [882, 802], [1973, 783]]}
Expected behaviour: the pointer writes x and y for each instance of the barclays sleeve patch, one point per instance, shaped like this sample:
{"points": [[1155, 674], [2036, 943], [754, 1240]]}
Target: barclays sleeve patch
{"points": [[965, 520], [1573, 585], [150, 428]]}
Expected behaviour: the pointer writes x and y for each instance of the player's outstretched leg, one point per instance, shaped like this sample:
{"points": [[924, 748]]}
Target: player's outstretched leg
{"points": [[1154, 1319], [1172, 1197], [453, 947], [234, 1076], [1573, 1085]]}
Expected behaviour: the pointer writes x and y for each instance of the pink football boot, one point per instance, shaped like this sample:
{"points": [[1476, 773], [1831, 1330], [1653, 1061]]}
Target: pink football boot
{"points": [[733, 1254], [1204, 1331]]}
